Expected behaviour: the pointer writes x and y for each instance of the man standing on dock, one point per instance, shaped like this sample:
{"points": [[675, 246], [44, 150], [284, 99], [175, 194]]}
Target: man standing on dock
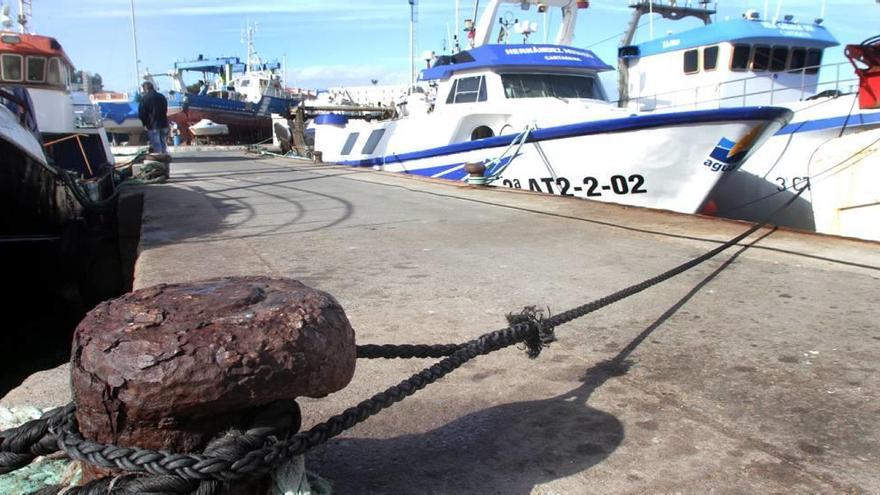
{"points": [[153, 112]]}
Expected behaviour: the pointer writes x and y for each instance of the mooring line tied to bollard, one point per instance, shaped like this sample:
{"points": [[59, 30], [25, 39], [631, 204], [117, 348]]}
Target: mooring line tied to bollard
{"points": [[153, 471]]}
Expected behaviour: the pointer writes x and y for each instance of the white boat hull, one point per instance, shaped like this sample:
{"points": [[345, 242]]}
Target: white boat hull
{"points": [[842, 202], [639, 161], [207, 128], [786, 163]]}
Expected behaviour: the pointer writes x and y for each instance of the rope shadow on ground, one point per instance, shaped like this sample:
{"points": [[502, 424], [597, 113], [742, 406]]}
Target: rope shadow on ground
{"points": [[504, 449], [510, 449]]}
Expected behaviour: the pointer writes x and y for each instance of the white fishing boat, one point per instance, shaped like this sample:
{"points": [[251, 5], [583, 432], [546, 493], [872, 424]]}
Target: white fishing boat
{"points": [[208, 128], [71, 127], [538, 118], [752, 60]]}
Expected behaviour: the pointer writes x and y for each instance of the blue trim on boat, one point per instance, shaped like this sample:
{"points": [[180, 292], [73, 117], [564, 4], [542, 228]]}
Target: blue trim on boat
{"points": [[854, 120], [518, 56], [445, 169], [455, 171], [632, 123], [788, 33], [331, 119]]}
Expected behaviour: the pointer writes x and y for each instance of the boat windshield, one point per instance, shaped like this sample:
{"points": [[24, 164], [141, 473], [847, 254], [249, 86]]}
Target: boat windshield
{"points": [[551, 86]]}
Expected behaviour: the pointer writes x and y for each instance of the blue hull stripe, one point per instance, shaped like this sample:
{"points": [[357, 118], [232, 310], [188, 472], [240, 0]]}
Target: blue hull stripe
{"points": [[830, 123], [456, 172], [633, 123], [446, 169]]}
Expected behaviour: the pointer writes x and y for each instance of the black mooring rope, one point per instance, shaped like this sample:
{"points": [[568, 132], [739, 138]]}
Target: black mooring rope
{"points": [[179, 473]]}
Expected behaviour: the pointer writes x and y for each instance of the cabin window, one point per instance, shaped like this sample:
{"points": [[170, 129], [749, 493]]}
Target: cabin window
{"points": [[468, 90], [66, 71], [54, 75], [798, 59], [814, 60], [349, 143], [551, 86], [710, 58], [244, 83], [36, 69], [778, 58], [451, 97], [11, 67], [761, 60], [741, 55], [373, 141], [691, 61]]}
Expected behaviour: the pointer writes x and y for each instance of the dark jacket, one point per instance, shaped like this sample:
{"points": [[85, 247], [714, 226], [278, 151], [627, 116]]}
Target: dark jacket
{"points": [[153, 111]]}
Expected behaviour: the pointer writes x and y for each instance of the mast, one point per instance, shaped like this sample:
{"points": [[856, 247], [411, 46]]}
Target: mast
{"points": [[412, 44], [134, 42], [252, 61], [472, 35], [25, 11]]}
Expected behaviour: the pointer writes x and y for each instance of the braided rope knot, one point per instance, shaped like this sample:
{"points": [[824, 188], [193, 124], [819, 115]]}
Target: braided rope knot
{"points": [[539, 334]]}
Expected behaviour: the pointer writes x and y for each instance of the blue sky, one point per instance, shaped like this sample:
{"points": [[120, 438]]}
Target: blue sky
{"points": [[343, 42]]}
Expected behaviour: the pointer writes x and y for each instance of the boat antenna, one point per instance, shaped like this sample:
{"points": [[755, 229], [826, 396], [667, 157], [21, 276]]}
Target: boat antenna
{"points": [[134, 43], [778, 11], [546, 26], [822, 11], [456, 47]]}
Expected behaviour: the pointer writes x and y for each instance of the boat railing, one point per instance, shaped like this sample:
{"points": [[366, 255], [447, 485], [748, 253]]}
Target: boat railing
{"points": [[742, 92]]}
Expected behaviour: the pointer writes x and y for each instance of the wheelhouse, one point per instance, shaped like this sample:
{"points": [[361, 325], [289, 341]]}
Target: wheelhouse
{"points": [[738, 62], [496, 73], [34, 61]]}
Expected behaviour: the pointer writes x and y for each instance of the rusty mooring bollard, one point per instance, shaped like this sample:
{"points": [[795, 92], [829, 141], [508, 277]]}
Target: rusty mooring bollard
{"points": [[476, 173], [172, 366]]}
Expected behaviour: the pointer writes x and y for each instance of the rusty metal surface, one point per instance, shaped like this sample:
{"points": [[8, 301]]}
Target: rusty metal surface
{"points": [[169, 366]]}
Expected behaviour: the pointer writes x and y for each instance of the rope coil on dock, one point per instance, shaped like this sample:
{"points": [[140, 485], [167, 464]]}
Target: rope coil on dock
{"points": [[260, 452]]}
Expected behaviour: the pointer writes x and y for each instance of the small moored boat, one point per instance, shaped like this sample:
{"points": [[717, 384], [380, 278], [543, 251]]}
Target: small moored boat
{"points": [[208, 128]]}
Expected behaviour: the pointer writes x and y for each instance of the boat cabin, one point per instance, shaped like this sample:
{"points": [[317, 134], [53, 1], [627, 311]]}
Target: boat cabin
{"points": [[740, 62], [69, 122], [490, 90], [34, 61], [498, 73]]}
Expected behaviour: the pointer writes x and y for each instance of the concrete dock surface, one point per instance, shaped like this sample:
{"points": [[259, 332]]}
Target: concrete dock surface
{"points": [[756, 372]]}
